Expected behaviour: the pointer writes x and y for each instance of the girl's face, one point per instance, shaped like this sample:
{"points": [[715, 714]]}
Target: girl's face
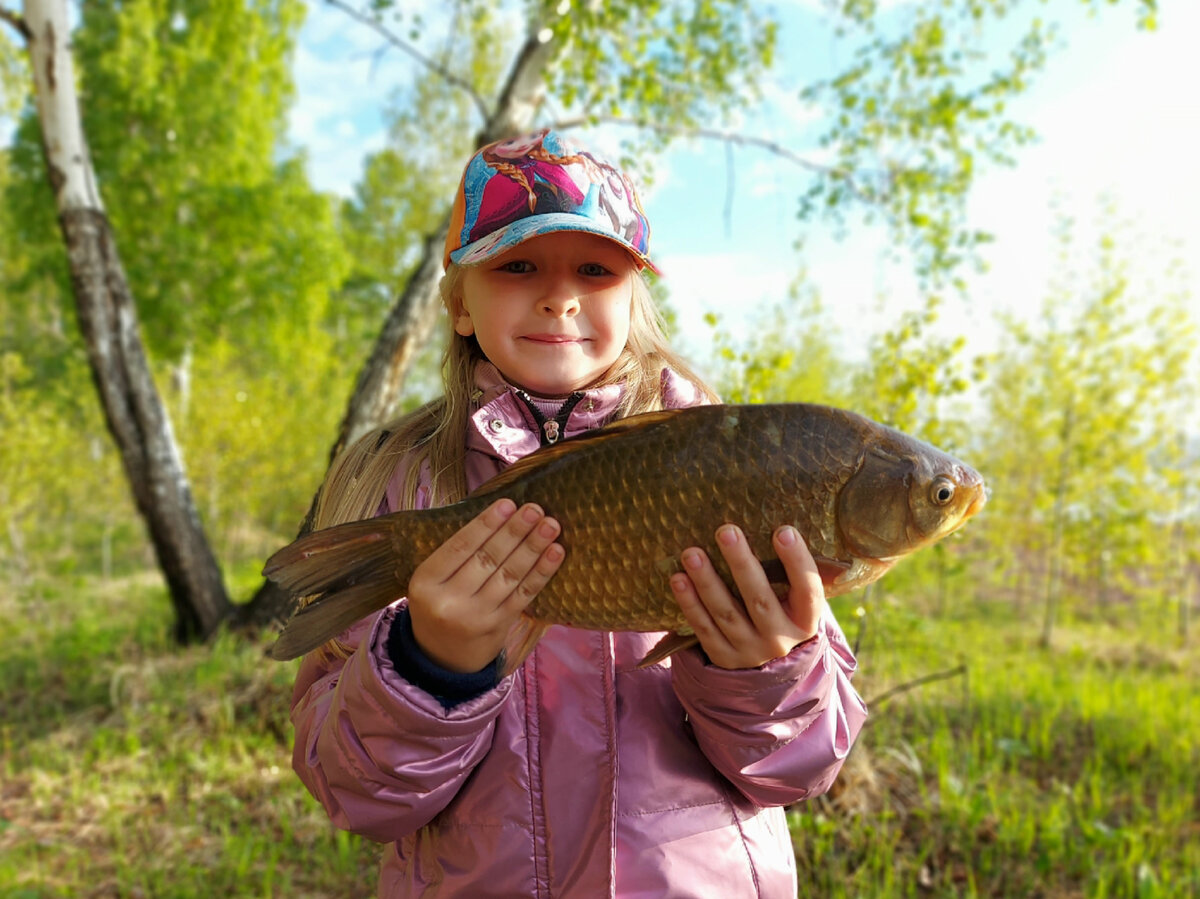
{"points": [[518, 146], [553, 312]]}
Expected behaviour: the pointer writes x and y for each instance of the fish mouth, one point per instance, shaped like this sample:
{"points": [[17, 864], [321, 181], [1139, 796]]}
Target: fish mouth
{"points": [[980, 500]]}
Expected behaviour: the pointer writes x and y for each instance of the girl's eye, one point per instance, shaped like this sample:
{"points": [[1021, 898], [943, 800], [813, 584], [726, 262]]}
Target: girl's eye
{"points": [[593, 269], [517, 267]]}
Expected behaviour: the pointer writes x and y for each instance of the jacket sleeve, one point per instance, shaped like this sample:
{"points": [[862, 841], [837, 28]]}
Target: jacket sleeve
{"points": [[780, 732], [381, 755]]}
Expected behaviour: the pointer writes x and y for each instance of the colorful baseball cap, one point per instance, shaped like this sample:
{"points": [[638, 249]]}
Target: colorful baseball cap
{"points": [[539, 183]]}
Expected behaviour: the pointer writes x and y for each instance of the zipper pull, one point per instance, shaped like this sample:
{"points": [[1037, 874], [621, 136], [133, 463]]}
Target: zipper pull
{"points": [[551, 429]]}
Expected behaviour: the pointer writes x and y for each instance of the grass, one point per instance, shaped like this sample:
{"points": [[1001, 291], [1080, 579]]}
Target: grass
{"points": [[131, 768], [1069, 771]]}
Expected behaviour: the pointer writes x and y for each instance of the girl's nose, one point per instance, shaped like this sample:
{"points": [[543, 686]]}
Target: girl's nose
{"points": [[560, 301]]}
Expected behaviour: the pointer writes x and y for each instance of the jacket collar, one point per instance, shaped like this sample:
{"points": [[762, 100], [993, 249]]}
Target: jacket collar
{"points": [[502, 425]]}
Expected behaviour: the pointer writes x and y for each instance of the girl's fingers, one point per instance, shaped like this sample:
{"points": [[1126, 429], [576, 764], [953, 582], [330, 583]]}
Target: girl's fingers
{"points": [[724, 608], [514, 577], [694, 610], [492, 557], [806, 592], [765, 612], [545, 566], [448, 558], [749, 625]]}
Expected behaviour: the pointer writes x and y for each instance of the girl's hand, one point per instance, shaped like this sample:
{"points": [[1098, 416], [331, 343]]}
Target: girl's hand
{"points": [[468, 593], [748, 632]]}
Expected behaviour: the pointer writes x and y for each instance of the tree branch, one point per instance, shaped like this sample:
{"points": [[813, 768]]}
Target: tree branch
{"points": [[958, 671], [395, 40], [14, 19], [729, 138], [732, 137]]}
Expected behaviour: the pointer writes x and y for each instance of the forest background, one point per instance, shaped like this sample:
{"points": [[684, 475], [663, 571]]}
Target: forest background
{"points": [[1036, 724]]}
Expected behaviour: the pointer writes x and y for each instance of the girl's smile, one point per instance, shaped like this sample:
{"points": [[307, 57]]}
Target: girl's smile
{"points": [[552, 313]]}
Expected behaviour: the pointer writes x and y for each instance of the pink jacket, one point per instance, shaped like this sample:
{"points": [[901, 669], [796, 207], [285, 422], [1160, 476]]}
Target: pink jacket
{"points": [[579, 775]]}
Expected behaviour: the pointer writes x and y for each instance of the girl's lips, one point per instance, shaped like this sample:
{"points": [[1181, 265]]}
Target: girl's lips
{"points": [[553, 338]]}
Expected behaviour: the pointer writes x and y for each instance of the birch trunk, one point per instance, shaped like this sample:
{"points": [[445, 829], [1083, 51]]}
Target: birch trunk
{"points": [[108, 319]]}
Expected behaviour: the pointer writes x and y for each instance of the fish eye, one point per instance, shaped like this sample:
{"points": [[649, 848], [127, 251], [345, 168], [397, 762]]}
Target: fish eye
{"points": [[942, 491]]}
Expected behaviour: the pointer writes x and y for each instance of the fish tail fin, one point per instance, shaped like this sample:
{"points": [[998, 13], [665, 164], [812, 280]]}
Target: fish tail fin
{"points": [[351, 569], [323, 619], [520, 642], [667, 646]]}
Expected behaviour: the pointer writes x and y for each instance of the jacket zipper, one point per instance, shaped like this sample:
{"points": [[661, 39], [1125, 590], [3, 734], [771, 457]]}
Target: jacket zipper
{"points": [[551, 428]]}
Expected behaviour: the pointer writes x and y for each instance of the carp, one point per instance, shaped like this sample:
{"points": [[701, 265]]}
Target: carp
{"points": [[632, 496]]}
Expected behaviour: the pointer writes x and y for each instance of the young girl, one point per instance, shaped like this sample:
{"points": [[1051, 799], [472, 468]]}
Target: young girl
{"points": [[580, 775]]}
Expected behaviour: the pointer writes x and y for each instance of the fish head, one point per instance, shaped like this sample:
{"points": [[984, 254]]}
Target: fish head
{"points": [[903, 497]]}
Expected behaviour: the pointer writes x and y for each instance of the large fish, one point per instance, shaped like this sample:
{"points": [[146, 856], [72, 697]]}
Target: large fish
{"points": [[632, 496]]}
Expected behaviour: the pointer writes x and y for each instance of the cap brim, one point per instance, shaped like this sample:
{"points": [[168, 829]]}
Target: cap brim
{"points": [[516, 233]]}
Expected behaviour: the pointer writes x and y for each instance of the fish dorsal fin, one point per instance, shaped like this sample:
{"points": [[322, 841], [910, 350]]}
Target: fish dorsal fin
{"points": [[579, 443]]}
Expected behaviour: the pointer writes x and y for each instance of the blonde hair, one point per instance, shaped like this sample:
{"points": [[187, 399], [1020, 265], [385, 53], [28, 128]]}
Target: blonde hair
{"points": [[433, 438]]}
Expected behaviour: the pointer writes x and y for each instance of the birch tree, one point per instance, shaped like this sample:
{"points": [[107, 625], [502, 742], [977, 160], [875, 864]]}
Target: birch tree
{"points": [[109, 321]]}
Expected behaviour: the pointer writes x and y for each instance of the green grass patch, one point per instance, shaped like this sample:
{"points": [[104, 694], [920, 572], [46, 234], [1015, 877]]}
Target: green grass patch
{"points": [[133, 768], [1068, 771], [130, 767]]}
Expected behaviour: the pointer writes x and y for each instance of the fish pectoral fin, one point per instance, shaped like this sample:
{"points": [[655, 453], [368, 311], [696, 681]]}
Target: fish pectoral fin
{"points": [[860, 571], [831, 569], [668, 645], [521, 640]]}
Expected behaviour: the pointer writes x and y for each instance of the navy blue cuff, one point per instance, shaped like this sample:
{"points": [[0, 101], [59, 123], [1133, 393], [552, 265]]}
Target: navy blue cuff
{"points": [[448, 687]]}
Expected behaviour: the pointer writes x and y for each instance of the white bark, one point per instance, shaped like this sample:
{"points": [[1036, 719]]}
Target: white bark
{"points": [[108, 320], [71, 174]]}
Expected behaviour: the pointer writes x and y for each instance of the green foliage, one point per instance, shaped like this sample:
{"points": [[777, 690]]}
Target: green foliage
{"points": [[925, 104], [183, 105], [132, 767], [788, 356], [255, 444], [675, 64], [14, 75], [1061, 772], [44, 426], [912, 377], [1083, 424], [922, 106]]}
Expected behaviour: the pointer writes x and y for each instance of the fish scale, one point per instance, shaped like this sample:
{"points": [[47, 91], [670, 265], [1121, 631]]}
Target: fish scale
{"points": [[631, 497]]}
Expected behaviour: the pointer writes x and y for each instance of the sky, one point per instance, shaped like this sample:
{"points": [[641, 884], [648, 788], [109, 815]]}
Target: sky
{"points": [[1115, 110]]}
